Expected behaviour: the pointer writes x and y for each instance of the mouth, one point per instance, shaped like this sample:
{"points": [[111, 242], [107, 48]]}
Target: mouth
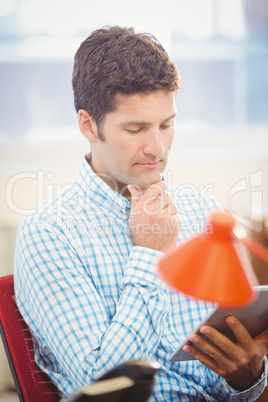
{"points": [[148, 164]]}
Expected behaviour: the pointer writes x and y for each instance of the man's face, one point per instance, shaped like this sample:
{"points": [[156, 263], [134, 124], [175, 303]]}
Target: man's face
{"points": [[138, 137]]}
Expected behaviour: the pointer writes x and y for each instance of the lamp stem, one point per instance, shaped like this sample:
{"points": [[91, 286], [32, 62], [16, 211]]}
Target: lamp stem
{"points": [[258, 249]]}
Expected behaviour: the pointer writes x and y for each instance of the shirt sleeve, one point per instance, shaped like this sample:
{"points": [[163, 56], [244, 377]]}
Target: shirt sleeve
{"points": [[71, 326], [220, 389], [255, 391]]}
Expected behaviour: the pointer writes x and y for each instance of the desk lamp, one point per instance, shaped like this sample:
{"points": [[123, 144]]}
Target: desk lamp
{"points": [[214, 265]]}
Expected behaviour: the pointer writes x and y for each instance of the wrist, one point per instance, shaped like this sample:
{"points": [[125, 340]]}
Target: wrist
{"points": [[249, 384]]}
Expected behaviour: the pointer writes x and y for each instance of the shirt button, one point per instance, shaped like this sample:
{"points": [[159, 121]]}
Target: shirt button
{"points": [[165, 324], [120, 215]]}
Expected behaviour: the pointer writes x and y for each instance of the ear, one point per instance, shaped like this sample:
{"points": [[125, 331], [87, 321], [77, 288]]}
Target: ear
{"points": [[88, 126]]}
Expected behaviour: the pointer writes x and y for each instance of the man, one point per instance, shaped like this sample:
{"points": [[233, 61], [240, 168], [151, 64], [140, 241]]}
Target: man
{"points": [[85, 267]]}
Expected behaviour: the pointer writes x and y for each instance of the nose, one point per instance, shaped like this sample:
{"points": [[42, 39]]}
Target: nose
{"points": [[154, 146]]}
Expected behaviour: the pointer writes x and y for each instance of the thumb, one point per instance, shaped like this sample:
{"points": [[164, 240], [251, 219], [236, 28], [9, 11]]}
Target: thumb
{"points": [[262, 340], [135, 193]]}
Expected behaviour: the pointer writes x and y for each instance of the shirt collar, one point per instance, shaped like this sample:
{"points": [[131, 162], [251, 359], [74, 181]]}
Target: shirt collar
{"points": [[97, 191]]}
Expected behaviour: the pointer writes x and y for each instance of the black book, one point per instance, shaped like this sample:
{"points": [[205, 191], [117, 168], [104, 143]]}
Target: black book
{"points": [[131, 382]]}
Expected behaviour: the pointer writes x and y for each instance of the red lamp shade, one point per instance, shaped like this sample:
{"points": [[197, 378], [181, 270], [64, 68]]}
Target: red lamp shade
{"points": [[211, 266]]}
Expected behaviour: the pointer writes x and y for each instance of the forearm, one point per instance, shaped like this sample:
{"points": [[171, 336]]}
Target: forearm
{"points": [[143, 304], [135, 329]]}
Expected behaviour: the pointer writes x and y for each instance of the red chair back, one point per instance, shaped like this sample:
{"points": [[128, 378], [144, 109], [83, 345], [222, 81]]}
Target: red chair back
{"points": [[31, 383]]}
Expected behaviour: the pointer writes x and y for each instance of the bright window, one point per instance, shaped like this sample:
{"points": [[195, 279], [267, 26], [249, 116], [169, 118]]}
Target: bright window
{"points": [[220, 47]]}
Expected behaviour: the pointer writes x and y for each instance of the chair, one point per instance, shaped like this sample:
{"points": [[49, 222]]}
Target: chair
{"points": [[31, 383]]}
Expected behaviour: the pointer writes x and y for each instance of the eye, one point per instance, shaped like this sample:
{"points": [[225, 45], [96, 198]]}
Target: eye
{"points": [[165, 126], [134, 130]]}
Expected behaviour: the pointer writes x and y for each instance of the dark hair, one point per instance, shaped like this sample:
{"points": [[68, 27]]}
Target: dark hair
{"points": [[116, 60]]}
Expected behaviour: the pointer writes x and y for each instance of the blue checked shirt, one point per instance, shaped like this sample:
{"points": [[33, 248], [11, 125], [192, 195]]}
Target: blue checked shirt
{"points": [[93, 299]]}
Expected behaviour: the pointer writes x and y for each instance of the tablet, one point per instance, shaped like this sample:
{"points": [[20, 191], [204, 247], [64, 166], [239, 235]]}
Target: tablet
{"points": [[253, 316]]}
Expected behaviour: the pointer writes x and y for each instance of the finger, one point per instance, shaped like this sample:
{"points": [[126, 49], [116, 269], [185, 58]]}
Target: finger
{"points": [[178, 218], [164, 199], [170, 210], [154, 190], [210, 354], [262, 341], [135, 193], [263, 336], [233, 350], [158, 204], [220, 340], [209, 357], [240, 332], [217, 363]]}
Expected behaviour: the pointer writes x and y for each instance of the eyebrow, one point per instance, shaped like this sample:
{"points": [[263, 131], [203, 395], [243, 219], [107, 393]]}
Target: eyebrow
{"points": [[144, 122], [171, 117]]}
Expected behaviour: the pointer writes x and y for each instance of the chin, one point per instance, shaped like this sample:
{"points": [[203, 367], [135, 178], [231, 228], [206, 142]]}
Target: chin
{"points": [[148, 181]]}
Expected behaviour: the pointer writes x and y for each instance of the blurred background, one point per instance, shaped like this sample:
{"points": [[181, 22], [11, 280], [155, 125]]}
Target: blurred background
{"points": [[221, 141]]}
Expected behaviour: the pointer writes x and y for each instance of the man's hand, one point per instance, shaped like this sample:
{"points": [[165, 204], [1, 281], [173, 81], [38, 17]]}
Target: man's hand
{"points": [[154, 220], [241, 363]]}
